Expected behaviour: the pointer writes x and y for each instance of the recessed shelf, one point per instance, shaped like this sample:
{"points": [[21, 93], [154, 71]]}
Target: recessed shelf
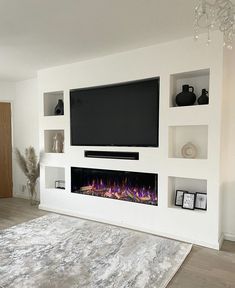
{"points": [[199, 79], [186, 184], [181, 135], [50, 101], [49, 137], [177, 208], [53, 174], [55, 122], [189, 115]]}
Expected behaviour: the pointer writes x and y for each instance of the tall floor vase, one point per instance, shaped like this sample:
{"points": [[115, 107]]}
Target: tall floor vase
{"points": [[32, 192]]}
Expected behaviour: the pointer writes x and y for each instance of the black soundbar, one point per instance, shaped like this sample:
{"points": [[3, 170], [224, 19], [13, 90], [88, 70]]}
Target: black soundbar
{"points": [[112, 155]]}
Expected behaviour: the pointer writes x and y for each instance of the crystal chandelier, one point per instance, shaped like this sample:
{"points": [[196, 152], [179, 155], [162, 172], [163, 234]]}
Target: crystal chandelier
{"points": [[215, 14]]}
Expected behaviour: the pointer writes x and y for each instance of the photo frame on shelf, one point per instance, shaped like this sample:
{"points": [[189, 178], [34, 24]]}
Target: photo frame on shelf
{"points": [[179, 194], [189, 201], [60, 184], [201, 201]]}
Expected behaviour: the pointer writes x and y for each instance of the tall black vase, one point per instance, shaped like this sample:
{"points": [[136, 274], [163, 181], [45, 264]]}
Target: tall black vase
{"points": [[186, 97], [59, 108]]}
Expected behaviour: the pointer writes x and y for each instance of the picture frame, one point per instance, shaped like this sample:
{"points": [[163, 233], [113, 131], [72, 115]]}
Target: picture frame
{"points": [[60, 184], [179, 197], [189, 201], [201, 201]]}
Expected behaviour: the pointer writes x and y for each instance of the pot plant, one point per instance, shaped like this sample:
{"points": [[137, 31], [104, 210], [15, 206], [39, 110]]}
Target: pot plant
{"points": [[29, 165]]}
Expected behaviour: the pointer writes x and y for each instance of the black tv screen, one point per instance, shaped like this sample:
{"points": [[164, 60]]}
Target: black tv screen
{"points": [[124, 114]]}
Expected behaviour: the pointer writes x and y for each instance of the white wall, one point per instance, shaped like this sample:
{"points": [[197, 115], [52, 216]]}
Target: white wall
{"points": [[228, 151], [24, 107], [25, 127], [7, 91]]}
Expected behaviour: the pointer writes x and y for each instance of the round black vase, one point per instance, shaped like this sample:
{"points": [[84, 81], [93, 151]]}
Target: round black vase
{"points": [[186, 97], [203, 99], [59, 108]]}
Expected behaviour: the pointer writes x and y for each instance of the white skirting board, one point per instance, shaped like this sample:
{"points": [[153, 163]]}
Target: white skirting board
{"points": [[229, 237], [21, 195], [216, 246]]}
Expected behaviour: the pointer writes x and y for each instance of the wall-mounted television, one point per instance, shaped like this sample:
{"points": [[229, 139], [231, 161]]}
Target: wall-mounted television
{"points": [[125, 114]]}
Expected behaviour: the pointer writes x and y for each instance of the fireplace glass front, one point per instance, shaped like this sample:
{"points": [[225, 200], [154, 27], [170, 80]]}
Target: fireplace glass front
{"points": [[121, 185]]}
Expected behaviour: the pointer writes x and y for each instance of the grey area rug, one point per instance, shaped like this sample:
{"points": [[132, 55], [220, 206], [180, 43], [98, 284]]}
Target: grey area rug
{"points": [[64, 252]]}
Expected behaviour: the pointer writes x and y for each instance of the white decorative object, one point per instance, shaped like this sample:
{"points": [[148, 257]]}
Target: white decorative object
{"points": [[57, 143], [215, 14], [189, 150]]}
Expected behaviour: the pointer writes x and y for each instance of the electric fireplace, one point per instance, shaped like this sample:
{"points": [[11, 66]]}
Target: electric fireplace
{"points": [[121, 185]]}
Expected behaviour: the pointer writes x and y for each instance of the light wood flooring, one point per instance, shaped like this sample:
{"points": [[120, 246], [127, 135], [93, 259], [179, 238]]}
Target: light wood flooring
{"points": [[14, 211], [203, 268]]}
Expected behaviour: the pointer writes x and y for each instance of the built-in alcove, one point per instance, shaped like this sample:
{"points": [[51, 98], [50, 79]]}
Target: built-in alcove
{"points": [[181, 135], [50, 101], [54, 177], [185, 184], [120, 185], [49, 141], [198, 79]]}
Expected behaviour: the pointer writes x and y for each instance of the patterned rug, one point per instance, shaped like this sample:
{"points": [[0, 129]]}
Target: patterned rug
{"points": [[58, 251]]}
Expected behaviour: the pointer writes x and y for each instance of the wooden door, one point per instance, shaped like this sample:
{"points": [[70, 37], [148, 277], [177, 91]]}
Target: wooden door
{"points": [[5, 151]]}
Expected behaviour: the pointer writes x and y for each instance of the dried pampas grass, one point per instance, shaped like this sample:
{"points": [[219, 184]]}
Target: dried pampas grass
{"points": [[29, 164]]}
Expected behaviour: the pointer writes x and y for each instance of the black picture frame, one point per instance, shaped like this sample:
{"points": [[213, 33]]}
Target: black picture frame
{"points": [[198, 194], [177, 192], [193, 199]]}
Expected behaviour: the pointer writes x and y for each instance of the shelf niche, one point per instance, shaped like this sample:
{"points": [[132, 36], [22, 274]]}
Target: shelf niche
{"points": [[53, 174], [186, 184], [199, 79], [50, 101], [49, 139], [181, 135]]}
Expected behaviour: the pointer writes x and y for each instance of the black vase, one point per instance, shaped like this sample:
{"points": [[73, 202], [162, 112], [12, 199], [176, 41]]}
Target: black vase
{"points": [[203, 99], [59, 108], [186, 97]]}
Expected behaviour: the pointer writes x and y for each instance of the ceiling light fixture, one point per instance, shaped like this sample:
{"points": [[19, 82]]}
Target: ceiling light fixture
{"points": [[215, 14]]}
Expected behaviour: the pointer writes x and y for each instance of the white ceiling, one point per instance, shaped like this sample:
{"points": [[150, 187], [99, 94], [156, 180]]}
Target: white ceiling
{"points": [[36, 34]]}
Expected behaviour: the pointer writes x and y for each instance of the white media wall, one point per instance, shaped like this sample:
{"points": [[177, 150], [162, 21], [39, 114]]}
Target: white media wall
{"points": [[178, 62]]}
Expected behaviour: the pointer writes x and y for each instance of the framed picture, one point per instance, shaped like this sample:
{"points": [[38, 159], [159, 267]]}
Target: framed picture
{"points": [[201, 201], [189, 200], [179, 197], [60, 184]]}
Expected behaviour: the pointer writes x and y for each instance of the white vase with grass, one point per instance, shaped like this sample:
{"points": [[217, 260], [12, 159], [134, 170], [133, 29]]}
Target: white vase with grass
{"points": [[29, 165]]}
